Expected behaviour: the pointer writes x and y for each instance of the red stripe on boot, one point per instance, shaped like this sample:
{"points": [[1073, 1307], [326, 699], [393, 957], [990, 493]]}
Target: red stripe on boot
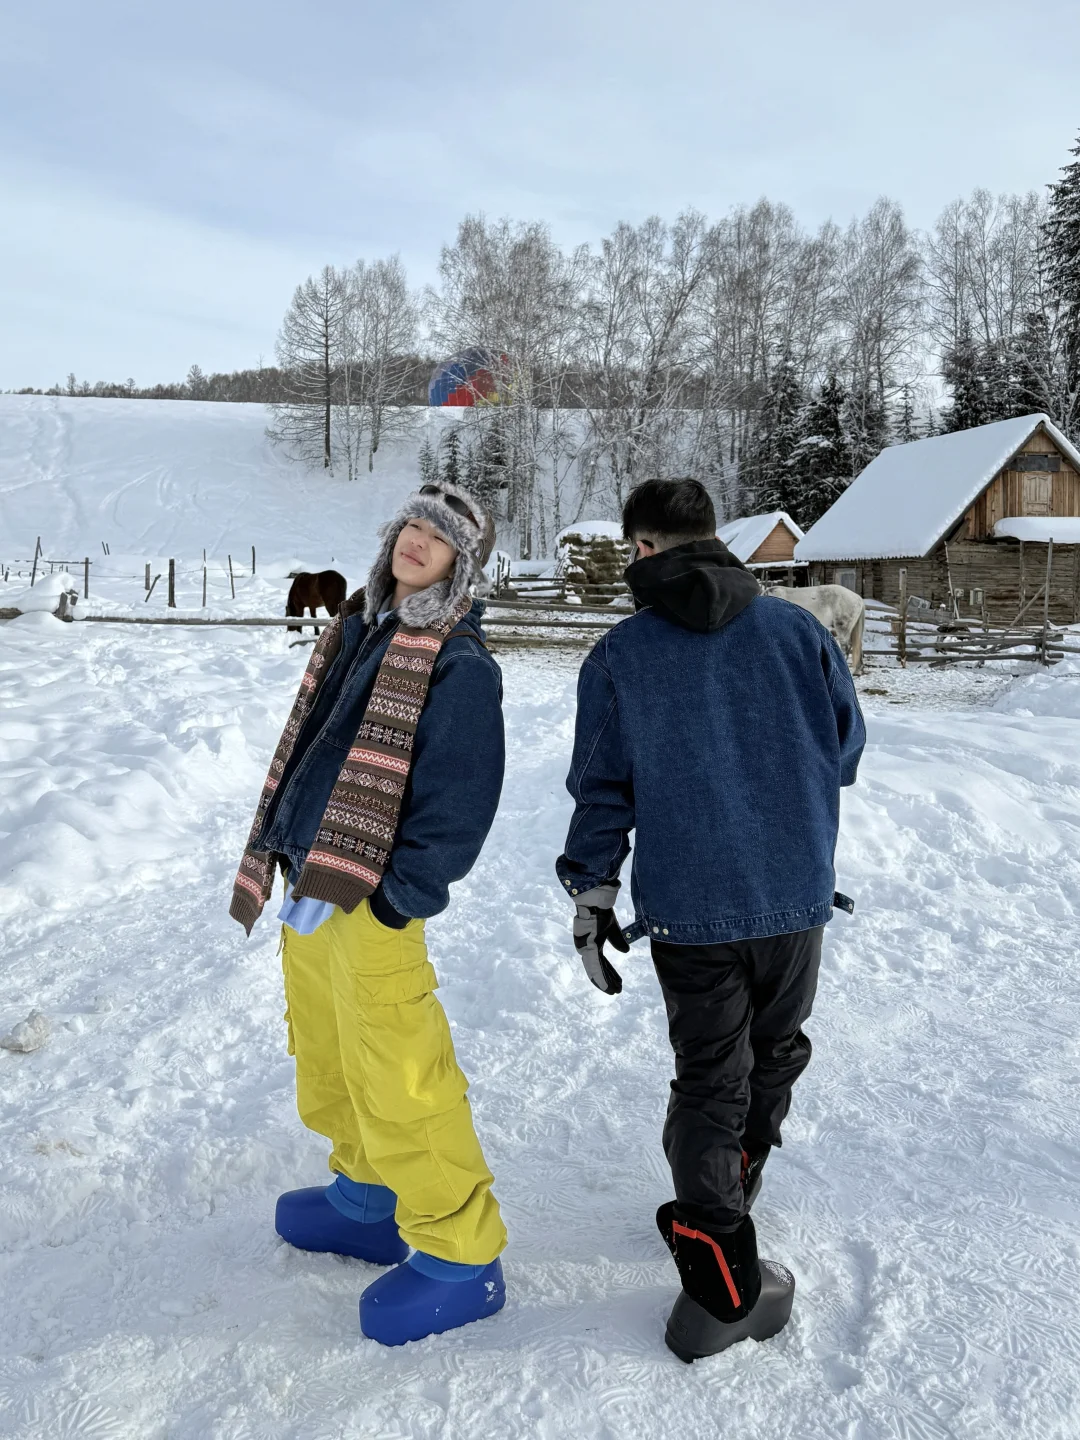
{"points": [[680, 1229]]}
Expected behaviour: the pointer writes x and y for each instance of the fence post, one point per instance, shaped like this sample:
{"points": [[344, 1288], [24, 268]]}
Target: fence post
{"points": [[204, 579], [172, 584], [902, 640], [253, 559], [1046, 602], [33, 571], [86, 578], [146, 581], [232, 582], [150, 587]]}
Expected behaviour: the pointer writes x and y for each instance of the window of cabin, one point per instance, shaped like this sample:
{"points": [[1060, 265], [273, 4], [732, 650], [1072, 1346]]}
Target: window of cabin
{"points": [[847, 578], [1032, 460]]}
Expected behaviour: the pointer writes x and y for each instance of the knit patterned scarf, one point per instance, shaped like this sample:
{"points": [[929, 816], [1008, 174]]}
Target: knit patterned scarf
{"points": [[359, 825]]}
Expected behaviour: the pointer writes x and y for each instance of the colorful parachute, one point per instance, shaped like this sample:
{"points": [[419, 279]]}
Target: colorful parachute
{"points": [[465, 379]]}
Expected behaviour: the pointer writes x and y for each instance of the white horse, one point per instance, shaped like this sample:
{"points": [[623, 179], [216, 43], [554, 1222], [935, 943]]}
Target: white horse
{"points": [[839, 609]]}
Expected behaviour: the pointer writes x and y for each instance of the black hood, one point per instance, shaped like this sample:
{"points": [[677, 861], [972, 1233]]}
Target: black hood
{"points": [[700, 586]]}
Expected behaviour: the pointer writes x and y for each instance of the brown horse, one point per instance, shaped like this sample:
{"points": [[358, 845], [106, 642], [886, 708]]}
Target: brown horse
{"points": [[308, 592]]}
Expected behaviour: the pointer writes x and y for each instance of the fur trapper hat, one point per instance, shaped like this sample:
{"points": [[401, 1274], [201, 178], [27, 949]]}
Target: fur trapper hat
{"points": [[473, 542]]}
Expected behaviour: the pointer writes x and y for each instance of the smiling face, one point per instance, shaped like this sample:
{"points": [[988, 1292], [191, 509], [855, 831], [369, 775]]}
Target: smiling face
{"points": [[422, 557]]}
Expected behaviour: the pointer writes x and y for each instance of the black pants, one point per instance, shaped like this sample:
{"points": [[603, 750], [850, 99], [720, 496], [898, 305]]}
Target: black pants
{"points": [[735, 1014]]}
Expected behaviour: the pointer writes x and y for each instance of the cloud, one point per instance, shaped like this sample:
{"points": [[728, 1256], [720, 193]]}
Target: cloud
{"points": [[170, 175], [108, 287]]}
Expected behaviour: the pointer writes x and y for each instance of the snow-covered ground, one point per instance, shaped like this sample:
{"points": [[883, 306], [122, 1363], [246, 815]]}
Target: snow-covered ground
{"points": [[926, 1196], [160, 479]]}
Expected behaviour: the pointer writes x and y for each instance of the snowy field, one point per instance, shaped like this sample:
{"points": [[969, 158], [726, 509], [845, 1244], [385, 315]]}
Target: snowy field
{"points": [[926, 1195], [154, 479]]}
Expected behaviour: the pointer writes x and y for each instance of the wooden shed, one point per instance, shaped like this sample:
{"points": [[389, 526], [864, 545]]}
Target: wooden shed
{"points": [[764, 542], [969, 517]]}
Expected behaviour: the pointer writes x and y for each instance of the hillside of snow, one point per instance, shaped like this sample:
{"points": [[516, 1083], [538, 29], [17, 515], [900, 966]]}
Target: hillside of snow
{"points": [[154, 479]]}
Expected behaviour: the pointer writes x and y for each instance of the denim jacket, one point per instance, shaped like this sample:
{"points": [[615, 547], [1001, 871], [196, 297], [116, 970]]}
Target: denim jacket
{"points": [[724, 750], [457, 768]]}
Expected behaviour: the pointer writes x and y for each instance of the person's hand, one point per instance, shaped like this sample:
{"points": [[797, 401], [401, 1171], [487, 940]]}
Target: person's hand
{"points": [[594, 924]]}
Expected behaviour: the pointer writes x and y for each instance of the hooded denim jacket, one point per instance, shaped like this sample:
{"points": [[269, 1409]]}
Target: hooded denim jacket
{"points": [[723, 747], [457, 768]]}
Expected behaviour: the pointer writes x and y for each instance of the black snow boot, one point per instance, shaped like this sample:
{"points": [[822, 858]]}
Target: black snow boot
{"points": [[728, 1293]]}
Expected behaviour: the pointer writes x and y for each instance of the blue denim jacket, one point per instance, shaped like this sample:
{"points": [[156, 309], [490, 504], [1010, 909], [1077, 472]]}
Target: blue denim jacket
{"points": [[725, 753], [457, 766]]}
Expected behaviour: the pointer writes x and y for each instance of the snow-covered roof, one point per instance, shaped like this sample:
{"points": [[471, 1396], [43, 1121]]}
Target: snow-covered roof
{"points": [[911, 495], [743, 537], [1041, 528], [591, 529]]}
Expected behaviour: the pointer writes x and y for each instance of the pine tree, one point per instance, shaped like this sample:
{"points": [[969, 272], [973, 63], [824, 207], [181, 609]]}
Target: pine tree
{"points": [[487, 465], [1062, 259], [429, 464], [821, 461], [866, 427], [1033, 365], [962, 370], [998, 382], [1063, 243], [770, 480], [198, 387], [906, 428], [451, 448]]}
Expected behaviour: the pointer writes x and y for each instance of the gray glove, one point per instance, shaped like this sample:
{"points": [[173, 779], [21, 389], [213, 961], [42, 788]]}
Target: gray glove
{"points": [[593, 924]]}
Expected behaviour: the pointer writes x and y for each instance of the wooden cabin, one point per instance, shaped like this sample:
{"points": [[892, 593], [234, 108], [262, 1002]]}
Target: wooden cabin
{"points": [[969, 517], [764, 543]]}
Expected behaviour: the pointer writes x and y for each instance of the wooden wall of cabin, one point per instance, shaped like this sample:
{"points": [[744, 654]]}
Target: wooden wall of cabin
{"points": [[1005, 496], [1008, 573], [777, 547]]}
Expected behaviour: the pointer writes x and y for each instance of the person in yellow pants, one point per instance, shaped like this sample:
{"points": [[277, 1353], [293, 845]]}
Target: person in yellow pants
{"points": [[381, 792], [377, 1075]]}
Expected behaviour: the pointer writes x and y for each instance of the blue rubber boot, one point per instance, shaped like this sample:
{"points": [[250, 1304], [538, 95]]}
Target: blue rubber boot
{"points": [[345, 1218], [426, 1296]]}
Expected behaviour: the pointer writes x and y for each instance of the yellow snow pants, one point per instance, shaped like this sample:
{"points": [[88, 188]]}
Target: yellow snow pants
{"points": [[377, 1075]]}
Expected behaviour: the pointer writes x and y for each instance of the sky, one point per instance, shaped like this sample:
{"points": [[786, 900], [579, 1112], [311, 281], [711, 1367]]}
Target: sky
{"points": [[169, 174]]}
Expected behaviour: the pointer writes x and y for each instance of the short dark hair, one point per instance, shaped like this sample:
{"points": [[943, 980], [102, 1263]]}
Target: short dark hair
{"points": [[669, 510]]}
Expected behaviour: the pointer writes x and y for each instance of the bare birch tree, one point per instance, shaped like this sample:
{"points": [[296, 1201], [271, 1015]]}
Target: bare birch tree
{"points": [[375, 340], [306, 351], [508, 290], [880, 310], [635, 346], [982, 267]]}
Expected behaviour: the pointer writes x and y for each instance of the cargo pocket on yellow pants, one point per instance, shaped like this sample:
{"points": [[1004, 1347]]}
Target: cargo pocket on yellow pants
{"points": [[410, 1094]]}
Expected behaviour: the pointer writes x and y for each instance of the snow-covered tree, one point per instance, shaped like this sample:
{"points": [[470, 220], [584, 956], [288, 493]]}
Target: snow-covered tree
{"points": [[770, 478], [428, 463], [962, 371], [452, 467], [1062, 265], [821, 462], [866, 426], [906, 423]]}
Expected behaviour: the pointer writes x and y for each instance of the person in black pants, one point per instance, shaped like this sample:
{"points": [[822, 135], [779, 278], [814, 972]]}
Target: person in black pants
{"points": [[719, 725]]}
